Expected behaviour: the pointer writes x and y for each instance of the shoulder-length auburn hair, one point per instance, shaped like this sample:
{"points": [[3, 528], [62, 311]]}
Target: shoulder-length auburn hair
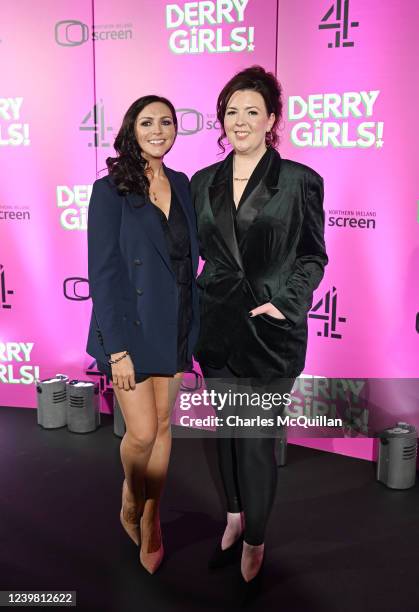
{"points": [[128, 167], [257, 79]]}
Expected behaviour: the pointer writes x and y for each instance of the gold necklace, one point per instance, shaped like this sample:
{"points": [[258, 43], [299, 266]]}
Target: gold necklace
{"points": [[155, 199], [234, 170]]}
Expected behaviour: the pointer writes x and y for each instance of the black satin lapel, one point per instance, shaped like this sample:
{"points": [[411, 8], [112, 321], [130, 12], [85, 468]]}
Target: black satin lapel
{"points": [[224, 220], [151, 225], [219, 195], [264, 191], [253, 205], [219, 186]]}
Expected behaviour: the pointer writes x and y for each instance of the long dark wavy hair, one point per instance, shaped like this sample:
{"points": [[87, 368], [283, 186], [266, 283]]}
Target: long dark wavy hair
{"points": [[128, 167], [257, 79]]}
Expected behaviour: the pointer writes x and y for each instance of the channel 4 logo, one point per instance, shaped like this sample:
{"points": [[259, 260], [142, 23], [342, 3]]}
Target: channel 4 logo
{"points": [[326, 310], [339, 21], [71, 33], [95, 123], [76, 289], [4, 292]]}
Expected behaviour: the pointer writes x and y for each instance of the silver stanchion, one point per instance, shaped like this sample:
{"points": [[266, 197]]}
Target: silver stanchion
{"points": [[52, 401], [396, 466], [83, 414]]}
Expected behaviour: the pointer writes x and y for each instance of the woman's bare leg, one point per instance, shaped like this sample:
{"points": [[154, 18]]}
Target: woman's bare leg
{"points": [[165, 391], [139, 410]]}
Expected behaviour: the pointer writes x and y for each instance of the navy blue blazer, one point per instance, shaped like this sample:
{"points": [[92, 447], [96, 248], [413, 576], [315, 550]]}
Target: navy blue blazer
{"points": [[132, 283]]}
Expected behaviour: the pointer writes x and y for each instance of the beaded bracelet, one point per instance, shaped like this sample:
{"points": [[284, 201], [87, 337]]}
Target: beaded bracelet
{"points": [[111, 361]]}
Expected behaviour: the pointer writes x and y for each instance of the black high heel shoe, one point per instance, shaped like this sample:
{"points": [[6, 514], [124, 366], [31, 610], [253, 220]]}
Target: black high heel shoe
{"points": [[251, 589], [221, 558]]}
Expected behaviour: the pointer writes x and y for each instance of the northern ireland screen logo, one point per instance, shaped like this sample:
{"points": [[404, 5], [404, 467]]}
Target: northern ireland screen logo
{"points": [[192, 121], [14, 213], [73, 33], [76, 289], [209, 27], [359, 219]]}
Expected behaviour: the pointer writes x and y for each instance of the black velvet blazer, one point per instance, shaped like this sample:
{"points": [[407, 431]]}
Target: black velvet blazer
{"points": [[271, 250]]}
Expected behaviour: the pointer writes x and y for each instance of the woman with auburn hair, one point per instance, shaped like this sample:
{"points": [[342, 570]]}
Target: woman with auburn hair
{"points": [[143, 258], [261, 232]]}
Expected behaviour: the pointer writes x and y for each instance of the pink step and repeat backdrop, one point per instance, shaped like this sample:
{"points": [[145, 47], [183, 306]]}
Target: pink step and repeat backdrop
{"points": [[350, 75]]}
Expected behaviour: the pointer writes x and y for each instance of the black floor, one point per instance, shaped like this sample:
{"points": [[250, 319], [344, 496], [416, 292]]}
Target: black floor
{"points": [[338, 540]]}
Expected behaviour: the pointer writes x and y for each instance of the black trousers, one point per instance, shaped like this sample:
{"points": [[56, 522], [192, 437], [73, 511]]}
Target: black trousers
{"points": [[246, 456]]}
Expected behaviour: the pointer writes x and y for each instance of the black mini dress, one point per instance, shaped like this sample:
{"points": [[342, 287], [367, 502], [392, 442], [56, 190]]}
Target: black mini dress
{"points": [[175, 229]]}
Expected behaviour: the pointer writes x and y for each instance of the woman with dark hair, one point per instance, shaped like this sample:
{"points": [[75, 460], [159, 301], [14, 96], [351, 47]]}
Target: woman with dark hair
{"points": [[261, 232], [143, 257]]}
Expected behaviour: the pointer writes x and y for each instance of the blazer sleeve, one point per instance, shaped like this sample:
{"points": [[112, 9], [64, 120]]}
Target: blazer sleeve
{"points": [[104, 265], [194, 188], [295, 298], [197, 191]]}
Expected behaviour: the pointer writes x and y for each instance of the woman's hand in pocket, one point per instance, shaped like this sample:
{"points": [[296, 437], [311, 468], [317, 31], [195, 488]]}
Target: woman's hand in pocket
{"points": [[268, 309]]}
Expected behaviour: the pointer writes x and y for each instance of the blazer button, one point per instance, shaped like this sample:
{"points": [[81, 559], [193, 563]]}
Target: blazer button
{"points": [[138, 262], [140, 291], [137, 322]]}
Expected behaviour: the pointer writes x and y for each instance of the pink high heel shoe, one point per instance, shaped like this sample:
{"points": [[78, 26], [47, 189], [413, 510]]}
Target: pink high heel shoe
{"points": [[151, 561], [128, 518]]}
